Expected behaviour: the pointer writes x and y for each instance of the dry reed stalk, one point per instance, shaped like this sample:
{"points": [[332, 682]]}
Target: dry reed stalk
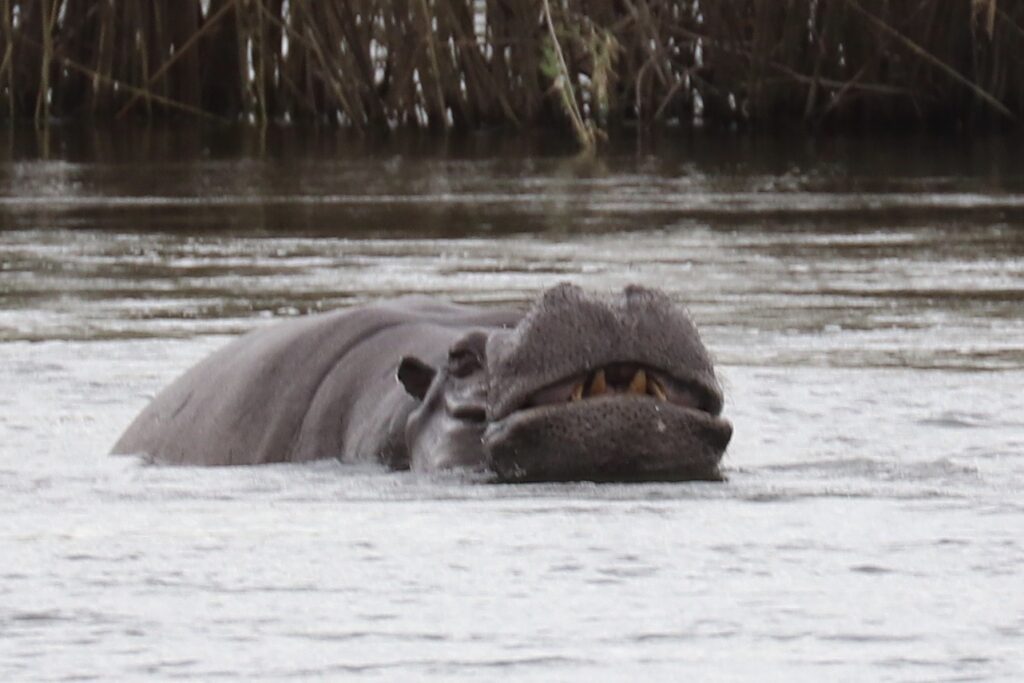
{"points": [[563, 84], [165, 101], [189, 44], [983, 12], [933, 60], [464, 64], [49, 16], [7, 66]]}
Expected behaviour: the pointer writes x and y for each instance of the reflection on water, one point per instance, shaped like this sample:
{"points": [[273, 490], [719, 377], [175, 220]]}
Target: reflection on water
{"points": [[332, 184], [862, 296], [835, 252]]}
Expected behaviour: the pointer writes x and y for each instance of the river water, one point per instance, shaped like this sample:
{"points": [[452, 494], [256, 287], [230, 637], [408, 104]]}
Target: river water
{"points": [[862, 296]]}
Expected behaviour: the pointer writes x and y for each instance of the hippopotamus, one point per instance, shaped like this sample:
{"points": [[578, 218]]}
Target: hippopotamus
{"points": [[579, 386]]}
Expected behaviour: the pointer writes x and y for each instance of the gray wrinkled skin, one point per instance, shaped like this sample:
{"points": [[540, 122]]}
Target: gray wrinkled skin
{"points": [[615, 437], [414, 383], [607, 439], [321, 386], [567, 330]]}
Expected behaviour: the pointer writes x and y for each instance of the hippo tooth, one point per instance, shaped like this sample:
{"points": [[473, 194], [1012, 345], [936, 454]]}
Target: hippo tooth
{"points": [[656, 389], [577, 392], [598, 386], [639, 383]]}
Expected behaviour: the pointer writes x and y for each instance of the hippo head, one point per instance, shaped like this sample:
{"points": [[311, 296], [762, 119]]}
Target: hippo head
{"points": [[583, 387], [446, 429]]}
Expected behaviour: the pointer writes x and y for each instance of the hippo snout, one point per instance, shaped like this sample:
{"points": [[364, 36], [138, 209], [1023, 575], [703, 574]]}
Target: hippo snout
{"points": [[608, 438]]}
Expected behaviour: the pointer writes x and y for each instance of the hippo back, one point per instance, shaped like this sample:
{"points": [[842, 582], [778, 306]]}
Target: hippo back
{"points": [[306, 388]]}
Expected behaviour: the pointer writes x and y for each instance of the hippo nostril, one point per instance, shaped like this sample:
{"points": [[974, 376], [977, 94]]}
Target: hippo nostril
{"points": [[720, 436]]}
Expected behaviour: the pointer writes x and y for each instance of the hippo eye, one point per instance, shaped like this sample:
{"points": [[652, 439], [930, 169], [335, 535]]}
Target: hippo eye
{"points": [[470, 414], [463, 362]]}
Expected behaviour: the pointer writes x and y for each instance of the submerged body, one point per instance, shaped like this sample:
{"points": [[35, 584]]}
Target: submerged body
{"points": [[306, 388], [577, 387]]}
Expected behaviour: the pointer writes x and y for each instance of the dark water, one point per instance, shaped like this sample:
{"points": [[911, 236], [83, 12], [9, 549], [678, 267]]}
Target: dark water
{"points": [[863, 296]]}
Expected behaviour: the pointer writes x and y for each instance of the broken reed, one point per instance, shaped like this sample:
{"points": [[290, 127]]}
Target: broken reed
{"points": [[465, 64]]}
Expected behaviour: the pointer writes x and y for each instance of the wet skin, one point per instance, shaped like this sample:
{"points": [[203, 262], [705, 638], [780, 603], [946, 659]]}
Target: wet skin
{"points": [[579, 386]]}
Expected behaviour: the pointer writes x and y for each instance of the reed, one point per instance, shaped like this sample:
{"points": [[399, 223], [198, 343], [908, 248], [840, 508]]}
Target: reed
{"points": [[584, 65]]}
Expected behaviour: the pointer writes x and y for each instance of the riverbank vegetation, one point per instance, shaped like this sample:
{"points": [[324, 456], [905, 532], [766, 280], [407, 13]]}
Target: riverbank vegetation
{"points": [[588, 66]]}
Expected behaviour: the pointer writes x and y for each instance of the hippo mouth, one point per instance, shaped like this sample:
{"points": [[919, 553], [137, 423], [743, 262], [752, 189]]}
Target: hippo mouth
{"points": [[624, 421]]}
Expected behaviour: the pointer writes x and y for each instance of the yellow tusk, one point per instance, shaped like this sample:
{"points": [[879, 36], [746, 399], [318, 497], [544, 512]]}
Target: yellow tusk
{"points": [[598, 386], [639, 383], [577, 392], [656, 389]]}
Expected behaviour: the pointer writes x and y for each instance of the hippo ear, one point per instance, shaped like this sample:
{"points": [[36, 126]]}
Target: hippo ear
{"points": [[415, 376]]}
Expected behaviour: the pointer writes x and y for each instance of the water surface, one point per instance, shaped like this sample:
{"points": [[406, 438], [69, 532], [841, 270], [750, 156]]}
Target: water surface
{"points": [[863, 298]]}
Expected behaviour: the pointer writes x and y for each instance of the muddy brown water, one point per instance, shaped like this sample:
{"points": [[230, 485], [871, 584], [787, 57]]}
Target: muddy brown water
{"points": [[863, 298]]}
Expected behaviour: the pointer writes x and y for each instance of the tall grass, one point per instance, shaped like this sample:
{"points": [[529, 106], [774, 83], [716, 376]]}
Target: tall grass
{"points": [[585, 65]]}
